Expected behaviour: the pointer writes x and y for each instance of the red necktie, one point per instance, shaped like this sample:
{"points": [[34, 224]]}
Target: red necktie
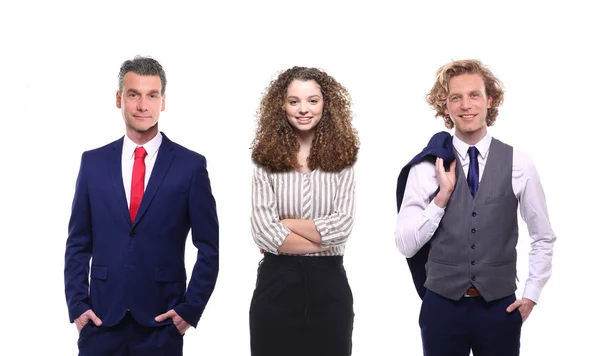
{"points": [[137, 181]]}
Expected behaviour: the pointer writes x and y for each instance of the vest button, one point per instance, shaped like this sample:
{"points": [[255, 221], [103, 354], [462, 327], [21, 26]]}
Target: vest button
{"points": [[472, 263], [473, 214], [473, 247], [473, 278], [473, 231]]}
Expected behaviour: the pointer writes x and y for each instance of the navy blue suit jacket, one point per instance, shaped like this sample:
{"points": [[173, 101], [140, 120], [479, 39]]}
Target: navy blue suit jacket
{"points": [[440, 145], [140, 266]]}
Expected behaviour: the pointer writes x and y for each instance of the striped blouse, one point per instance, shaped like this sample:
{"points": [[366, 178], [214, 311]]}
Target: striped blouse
{"points": [[327, 198]]}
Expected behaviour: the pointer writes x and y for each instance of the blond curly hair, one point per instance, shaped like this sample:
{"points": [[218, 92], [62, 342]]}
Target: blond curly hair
{"points": [[438, 95]]}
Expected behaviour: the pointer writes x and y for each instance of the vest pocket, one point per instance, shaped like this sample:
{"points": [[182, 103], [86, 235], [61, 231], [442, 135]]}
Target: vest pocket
{"points": [[446, 263], [497, 199], [500, 264]]}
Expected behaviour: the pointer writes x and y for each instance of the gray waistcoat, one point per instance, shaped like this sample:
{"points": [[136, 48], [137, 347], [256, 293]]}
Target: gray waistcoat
{"points": [[475, 243]]}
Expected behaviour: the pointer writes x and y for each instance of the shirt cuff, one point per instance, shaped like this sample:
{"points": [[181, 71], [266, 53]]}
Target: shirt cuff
{"points": [[532, 292], [434, 213], [322, 227], [282, 233]]}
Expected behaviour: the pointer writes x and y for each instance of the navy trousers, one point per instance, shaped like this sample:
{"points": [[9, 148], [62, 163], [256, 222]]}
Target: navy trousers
{"points": [[128, 338], [454, 328]]}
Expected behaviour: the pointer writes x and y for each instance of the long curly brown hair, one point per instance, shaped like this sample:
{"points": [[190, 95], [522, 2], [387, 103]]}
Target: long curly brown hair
{"points": [[335, 145], [438, 94]]}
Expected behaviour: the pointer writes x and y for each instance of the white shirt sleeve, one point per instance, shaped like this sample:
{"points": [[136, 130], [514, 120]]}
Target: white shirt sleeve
{"points": [[532, 201], [418, 217]]}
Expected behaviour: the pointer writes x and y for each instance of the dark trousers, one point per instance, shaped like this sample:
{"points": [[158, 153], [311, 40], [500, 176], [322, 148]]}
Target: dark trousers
{"points": [[453, 328], [128, 338], [302, 305]]}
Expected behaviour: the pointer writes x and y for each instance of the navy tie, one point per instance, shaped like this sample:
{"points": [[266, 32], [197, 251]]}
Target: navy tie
{"points": [[473, 177]]}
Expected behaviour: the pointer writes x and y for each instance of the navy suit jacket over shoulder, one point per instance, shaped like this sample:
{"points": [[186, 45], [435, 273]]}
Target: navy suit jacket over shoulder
{"points": [[140, 265], [440, 145]]}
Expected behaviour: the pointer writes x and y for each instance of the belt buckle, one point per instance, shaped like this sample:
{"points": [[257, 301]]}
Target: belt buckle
{"points": [[467, 295]]}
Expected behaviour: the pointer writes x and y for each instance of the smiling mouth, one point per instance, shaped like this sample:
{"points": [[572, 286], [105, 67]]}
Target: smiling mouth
{"points": [[303, 120], [470, 116]]}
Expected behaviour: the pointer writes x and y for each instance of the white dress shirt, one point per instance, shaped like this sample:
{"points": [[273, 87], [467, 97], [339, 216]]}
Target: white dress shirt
{"points": [[128, 157], [419, 217]]}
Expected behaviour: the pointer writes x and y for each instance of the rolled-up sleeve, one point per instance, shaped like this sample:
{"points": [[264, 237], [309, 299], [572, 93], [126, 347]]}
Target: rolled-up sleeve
{"points": [[267, 230], [336, 227]]}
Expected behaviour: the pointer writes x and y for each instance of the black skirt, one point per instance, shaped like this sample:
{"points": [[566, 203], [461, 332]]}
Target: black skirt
{"points": [[302, 305]]}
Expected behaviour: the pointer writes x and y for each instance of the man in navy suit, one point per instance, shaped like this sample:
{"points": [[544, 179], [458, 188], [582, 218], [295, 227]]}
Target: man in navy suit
{"points": [[136, 200]]}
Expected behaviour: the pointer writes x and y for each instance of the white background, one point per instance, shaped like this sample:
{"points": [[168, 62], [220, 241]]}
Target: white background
{"points": [[59, 65]]}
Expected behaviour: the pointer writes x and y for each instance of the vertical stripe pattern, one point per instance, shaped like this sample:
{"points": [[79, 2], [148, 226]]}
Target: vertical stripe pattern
{"points": [[325, 197]]}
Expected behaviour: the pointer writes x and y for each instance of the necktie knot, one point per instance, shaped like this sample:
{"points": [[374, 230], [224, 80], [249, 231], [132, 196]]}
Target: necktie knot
{"points": [[473, 153], [140, 152]]}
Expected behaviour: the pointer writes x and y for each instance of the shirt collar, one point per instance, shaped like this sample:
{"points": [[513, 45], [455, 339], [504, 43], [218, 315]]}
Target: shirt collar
{"points": [[483, 146], [151, 146]]}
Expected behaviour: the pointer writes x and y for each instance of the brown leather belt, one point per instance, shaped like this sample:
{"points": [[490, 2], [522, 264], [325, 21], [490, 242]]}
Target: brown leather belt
{"points": [[472, 292]]}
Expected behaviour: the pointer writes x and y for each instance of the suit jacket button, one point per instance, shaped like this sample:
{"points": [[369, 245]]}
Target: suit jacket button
{"points": [[131, 233]]}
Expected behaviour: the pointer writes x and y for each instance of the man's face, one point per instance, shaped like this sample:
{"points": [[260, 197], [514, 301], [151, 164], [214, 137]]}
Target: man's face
{"points": [[140, 102], [467, 106]]}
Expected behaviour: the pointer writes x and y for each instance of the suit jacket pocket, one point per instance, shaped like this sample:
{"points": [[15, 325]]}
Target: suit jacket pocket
{"points": [[169, 275], [99, 272]]}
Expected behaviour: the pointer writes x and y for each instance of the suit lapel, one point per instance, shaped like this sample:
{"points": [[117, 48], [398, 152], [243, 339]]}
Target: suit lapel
{"points": [[116, 174], [163, 162]]}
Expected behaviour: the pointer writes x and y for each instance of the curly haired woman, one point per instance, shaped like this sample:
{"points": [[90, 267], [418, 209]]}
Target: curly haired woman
{"points": [[302, 214]]}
